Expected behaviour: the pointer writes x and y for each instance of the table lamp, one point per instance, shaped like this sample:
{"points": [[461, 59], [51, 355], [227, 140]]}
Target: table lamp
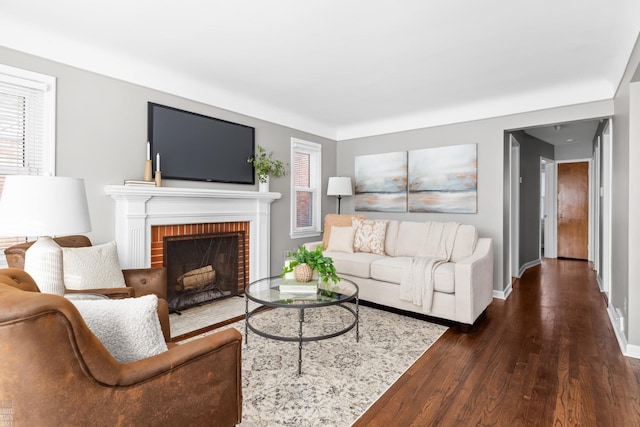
{"points": [[44, 206], [339, 186]]}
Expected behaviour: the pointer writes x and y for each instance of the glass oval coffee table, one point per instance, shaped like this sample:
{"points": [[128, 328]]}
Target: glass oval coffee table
{"points": [[268, 293]]}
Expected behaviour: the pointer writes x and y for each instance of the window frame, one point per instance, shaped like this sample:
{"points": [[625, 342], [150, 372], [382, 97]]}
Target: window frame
{"points": [[314, 150], [47, 86]]}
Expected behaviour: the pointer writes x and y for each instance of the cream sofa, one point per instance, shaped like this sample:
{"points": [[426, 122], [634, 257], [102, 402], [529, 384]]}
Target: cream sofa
{"points": [[463, 286]]}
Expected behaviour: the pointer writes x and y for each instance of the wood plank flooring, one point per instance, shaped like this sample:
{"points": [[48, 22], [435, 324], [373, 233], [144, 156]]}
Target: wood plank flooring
{"points": [[547, 356]]}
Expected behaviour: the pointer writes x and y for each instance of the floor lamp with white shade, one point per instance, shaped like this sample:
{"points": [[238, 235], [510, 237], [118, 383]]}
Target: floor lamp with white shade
{"points": [[339, 186], [44, 206]]}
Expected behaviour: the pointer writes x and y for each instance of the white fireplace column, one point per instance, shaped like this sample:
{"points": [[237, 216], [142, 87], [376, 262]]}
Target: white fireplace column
{"points": [[137, 209]]}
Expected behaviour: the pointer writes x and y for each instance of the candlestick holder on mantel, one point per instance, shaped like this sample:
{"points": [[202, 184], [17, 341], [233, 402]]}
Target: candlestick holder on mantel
{"points": [[148, 175], [158, 179]]}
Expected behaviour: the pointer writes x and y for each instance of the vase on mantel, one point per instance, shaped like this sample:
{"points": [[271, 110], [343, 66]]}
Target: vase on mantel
{"points": [[263, 187]]}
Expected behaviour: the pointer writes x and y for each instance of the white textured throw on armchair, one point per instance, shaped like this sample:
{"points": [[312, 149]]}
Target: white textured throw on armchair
{"points": [[417, 282]]}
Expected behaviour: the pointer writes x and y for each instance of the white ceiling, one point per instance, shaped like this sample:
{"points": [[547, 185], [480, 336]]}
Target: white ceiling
{"points": [[343, 68]]}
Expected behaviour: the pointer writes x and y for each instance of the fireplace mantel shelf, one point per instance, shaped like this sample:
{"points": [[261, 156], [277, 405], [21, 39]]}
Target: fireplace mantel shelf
{"points": [[118, 191], [138, 208]]}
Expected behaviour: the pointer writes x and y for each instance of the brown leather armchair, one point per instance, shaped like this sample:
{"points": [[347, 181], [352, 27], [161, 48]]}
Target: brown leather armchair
{"points": [[140, 281], [54, 371]]}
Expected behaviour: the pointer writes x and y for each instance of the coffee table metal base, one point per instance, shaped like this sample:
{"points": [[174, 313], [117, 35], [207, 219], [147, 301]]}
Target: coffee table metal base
{"points": [[301, 338]]}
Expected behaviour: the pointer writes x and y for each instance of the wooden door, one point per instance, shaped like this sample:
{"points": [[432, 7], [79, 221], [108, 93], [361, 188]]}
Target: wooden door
{"points": [[573, 210]]}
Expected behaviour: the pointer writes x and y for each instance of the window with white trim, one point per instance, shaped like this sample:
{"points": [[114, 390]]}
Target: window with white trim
{"points": [[27, 129], [306, 176]]}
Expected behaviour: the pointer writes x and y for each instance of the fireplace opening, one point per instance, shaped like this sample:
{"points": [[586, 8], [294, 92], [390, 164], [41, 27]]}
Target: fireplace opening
{"points": [[203, 268]]}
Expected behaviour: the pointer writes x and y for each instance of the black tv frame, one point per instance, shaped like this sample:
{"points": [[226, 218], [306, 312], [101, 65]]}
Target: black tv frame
{"points": [[218, 145]]}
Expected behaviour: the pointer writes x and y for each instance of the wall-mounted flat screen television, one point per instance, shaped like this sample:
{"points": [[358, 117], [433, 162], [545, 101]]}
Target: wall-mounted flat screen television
{"points": [[200, 148]]}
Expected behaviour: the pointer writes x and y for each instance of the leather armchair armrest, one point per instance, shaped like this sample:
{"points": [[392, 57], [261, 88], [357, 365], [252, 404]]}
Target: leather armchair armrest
{"points": [[207, 351], [147, 281], [113, 293]]}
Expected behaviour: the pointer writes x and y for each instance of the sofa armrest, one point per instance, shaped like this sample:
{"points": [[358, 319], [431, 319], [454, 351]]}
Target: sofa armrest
{"points": [[311, 246], [474, 282], [147, 281], [192, 352], [206, 373]]}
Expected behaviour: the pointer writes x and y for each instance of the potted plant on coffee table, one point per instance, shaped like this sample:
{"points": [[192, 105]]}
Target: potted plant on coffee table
{"points": [[305, 262], [266, 166]]}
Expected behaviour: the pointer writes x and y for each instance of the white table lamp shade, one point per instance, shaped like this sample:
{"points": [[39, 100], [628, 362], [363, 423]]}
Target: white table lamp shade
{"points": [[44, 206], [339, 186]]}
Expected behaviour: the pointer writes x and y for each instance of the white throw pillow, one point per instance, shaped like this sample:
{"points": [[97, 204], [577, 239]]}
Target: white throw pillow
{"points": [[129, 328], [341, 239], [92, 267]]}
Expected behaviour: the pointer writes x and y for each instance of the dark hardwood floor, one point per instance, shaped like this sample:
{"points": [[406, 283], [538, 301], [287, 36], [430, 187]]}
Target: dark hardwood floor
{"points": [[547, 356]]}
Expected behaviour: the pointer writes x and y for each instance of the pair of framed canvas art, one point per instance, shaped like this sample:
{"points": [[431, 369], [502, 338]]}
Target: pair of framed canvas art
{"points": [[440, 179]]}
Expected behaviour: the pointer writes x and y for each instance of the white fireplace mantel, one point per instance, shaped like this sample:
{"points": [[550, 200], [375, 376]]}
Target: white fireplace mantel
{"points": [[138, 208]]}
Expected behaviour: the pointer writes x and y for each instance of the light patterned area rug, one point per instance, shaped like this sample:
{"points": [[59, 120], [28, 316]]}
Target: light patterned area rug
{"points": [[341, 378]]}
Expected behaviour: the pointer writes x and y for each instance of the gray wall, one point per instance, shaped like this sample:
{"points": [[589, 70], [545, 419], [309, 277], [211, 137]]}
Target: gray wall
{"points": [[632, 308], [490, 136], [620, 195], [531, 150], [576, 150], [102, 133]]}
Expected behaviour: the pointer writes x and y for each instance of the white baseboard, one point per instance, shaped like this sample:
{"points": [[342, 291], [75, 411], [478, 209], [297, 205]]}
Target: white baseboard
{"points": [[633, 351], [503, 294], [528, 265], [628, 350]]}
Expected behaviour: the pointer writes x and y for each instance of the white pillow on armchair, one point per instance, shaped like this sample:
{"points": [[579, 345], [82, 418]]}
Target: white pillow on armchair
{"points": [[129, 328], [92, 267]]}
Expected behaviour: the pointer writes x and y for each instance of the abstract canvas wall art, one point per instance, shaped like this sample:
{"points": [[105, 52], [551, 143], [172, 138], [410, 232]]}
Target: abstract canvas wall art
{"points": [[443, 179], [381, 182]]}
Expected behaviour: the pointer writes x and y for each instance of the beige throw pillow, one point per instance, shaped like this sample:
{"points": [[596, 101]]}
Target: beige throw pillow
{"points": [[369, 235], [341, 239], [92, 267], [335, 220]]}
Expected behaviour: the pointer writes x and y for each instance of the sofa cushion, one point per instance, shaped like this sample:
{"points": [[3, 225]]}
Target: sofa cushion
{"points": [[336, 220], [341, 239], [369, 235], [465, 243], [129, 328], [390, 269], [444, 278], [391, 237], [355, 264], [410, 238], [92, 267]]}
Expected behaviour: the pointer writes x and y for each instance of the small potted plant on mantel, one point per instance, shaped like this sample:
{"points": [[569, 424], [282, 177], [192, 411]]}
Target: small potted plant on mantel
{"points": [[266, 166], [305, 262]]}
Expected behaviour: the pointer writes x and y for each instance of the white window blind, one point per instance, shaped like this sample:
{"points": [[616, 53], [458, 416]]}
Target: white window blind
{"points": [[27, 142], [305, 183]]}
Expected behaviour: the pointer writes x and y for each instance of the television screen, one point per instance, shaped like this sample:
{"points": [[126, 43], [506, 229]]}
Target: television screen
{"points": [[200, 148]]}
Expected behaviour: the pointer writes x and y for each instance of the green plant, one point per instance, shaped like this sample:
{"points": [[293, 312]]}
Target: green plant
{"points": [[266, 165], [316, 260]]}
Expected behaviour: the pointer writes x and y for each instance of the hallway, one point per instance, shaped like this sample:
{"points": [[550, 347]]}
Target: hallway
{"points": [[547, 356]]}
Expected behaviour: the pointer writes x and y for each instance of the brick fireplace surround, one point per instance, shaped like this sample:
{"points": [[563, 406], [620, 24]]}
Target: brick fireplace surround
{"points": [[138, 210]]}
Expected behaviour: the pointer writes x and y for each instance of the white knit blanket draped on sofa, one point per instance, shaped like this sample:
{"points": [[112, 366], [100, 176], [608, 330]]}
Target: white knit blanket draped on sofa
{"points": [[416, 284]]}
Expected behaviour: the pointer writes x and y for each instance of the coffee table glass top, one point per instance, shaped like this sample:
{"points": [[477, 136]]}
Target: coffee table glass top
{"points": [[267, 291]]}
